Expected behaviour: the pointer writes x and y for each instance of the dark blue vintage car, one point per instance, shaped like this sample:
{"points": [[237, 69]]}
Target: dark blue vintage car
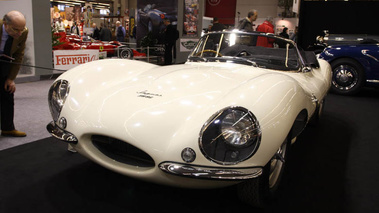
{"points": [[353, 66]]}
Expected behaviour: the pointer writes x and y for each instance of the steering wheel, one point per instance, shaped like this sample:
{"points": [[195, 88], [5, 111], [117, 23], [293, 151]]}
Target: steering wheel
{"points": [[209, 51]]}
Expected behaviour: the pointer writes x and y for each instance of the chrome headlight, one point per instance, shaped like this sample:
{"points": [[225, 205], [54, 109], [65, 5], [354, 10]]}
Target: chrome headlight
{"points": [[57, 96], [230, 136]]}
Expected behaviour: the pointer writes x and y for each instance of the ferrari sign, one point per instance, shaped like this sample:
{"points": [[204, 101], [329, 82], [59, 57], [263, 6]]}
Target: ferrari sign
{"points": [[67, 59]]}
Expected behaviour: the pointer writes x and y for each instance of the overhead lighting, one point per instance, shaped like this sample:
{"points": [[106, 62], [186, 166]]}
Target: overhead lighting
{"points": [[68, 2]]}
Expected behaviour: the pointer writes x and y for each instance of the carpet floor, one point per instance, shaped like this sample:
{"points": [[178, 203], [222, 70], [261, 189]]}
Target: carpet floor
{"points": [[331, 168]]}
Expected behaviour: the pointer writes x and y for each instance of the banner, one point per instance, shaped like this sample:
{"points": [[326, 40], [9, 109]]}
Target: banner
{"points": [[67, 59], [295, 6], [186, 45], [224, 10]]}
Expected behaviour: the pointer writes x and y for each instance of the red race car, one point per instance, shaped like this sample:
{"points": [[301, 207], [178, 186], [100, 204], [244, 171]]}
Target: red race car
{"points": [[113, 48]]}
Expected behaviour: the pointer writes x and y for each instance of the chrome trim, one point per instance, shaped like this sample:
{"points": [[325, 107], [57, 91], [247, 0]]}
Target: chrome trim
{"points": [[218, 173], [209, 122], [53, 88], [314, 98], [364, 52], [61, 134], [373, 81]]}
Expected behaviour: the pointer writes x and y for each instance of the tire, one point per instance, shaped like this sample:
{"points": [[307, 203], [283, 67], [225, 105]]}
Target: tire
{"points": [[260, 191], [126, 53], [348, 76]]}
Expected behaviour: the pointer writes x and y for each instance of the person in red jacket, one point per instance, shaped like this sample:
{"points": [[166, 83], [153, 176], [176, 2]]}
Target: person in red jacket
{"points": [[266, 27]]}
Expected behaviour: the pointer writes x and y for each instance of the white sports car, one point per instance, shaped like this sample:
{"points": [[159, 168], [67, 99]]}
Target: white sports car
{"points": [[227, 116]]}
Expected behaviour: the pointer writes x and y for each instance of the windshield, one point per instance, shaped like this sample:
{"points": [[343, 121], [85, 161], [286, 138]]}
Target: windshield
{"points": [[261, 50]]}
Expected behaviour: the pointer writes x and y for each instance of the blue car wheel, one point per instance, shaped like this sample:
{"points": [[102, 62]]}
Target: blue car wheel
{"points": [[348, 76]]}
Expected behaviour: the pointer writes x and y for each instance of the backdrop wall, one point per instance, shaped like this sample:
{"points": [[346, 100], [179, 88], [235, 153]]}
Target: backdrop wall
{"points": [[25, 7], [338, 17], [38, 45]]}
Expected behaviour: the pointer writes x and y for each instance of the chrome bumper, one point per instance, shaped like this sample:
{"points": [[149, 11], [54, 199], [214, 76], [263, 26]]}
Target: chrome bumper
{"points": [[210, 172], [61, 134]]}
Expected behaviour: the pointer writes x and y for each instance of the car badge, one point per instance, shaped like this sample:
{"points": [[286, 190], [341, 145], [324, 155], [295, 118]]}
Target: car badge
{"points": [[147, 94]]}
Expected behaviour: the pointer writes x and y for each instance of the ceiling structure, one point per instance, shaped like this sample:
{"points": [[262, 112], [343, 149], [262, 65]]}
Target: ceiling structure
{"points": [[97, 4]]}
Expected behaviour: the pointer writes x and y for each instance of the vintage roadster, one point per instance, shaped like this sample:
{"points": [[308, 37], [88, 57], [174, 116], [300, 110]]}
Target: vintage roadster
{"points": [[226, 117]]}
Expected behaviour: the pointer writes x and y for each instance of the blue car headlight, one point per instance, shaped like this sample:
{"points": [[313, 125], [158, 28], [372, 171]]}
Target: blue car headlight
{"points": [[57, 96], [230, 136]]}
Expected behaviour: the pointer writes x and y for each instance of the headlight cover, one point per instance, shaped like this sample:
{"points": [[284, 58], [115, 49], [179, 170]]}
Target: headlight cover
{"points": [[57, 96], [230, 136]]}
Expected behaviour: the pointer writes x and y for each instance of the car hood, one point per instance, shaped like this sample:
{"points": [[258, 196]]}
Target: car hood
{"points": [[183, 86], [164, 100]]}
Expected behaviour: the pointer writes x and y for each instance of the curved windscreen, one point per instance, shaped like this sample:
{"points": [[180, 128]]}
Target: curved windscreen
{"points": [[261, 50]]}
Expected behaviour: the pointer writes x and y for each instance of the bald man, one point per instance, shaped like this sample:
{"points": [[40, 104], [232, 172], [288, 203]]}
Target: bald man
{"points": [[13, 35]]}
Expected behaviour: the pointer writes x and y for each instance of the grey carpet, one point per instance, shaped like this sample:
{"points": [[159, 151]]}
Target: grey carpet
{"points": [[31, 113]]}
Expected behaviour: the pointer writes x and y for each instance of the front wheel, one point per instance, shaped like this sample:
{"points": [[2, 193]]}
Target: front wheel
{"points": [[126, 53], [348, 76], [259, 191]]}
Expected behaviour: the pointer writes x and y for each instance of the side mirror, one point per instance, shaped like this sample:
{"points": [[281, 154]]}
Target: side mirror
{"points": [[306, 69], [311, 59]]}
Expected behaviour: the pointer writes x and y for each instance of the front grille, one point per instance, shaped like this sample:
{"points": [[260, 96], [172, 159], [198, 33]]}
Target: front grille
{"points": [[121, 151]]}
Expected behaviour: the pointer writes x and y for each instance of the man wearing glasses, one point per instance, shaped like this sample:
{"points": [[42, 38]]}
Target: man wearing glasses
{"points": [[13, 35]]}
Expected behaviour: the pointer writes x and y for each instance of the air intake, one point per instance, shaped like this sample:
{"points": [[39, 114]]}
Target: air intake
{"points": [[122, 151]]}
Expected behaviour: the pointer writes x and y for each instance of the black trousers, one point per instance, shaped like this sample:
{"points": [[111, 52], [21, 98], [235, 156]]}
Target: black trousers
{"points": [[168, 54], [6, 101]]}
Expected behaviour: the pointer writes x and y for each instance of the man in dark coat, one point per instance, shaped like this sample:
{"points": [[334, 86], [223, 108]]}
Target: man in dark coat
{"points": [[246, 24], [170, 37], [105, 33], [13, 35], [120, 32], [217, 26], [96, 32]]}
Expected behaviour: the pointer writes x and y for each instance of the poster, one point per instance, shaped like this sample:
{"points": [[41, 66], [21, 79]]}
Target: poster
{"points": [[150, 15], [191, 17]]}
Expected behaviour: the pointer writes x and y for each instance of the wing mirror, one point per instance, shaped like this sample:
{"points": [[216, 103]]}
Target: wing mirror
{"points": [[306, 69]]}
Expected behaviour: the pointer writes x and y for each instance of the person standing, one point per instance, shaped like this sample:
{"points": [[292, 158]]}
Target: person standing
{"points": [[105, 33], [75, 29], [246, 24], [170, 37], [293, 36], [59, 25], [217, 26], [284, 33], [13, 35], [120, 32], [266, 27], [96, 32]]}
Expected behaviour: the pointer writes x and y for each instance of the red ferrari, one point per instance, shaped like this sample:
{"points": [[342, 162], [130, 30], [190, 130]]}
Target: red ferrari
{"points": [[113, 48]]}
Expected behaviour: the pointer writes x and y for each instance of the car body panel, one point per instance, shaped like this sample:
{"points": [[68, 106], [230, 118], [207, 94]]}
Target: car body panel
{"points": [[367, 55], [162, 110], [322, 41]]}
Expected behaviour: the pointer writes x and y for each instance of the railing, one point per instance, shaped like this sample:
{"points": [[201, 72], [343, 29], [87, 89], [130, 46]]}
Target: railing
{"points": [[130, 51]]}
